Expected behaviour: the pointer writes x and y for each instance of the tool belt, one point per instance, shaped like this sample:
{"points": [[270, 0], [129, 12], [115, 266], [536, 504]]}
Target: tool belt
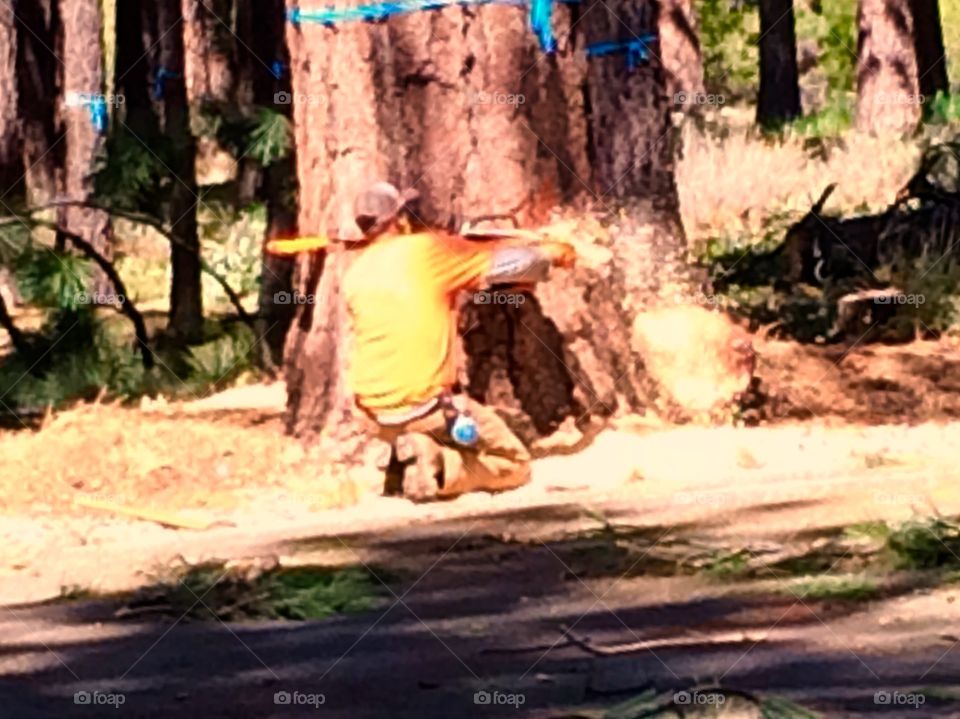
{"points": [[461, 427]]}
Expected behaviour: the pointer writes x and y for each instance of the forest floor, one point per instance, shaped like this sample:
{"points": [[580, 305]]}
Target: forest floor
{"points": [[648, 533]]}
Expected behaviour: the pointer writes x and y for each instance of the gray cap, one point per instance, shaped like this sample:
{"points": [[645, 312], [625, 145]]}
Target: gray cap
{"points": [[378, 205]]}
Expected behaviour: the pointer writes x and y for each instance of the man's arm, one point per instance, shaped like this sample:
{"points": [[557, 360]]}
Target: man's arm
{"points": [[463, 264]]}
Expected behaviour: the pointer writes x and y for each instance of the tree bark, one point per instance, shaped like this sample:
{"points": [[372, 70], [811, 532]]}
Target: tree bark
{"points": [[38, 70], [680, 52], [209, 51], [186, 305], [278, 182], [11, 157], [928, 45], [83, 84], [888, 89], [779, 96]]}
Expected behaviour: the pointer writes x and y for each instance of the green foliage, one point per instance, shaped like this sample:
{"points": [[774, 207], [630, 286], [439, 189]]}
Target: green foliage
{"points": [[926, 544], [943, 109], [53, 279], [297, 594], [132, 172], [827, 587], [728, 37], [832, 120], [263, 135], [232, 246], [215, 364]]}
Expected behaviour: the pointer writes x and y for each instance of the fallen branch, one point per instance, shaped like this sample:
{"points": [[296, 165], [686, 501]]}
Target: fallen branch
{"points": [[608, 650]]}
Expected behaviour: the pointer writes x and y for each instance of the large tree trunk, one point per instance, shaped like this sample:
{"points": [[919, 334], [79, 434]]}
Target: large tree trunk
{"points": [[446, 86], [928, 44], [680, 52], [779, 96], [464, 111], [83, 85], [11, 158], [888, 89], [186, 306], [38, 40]]}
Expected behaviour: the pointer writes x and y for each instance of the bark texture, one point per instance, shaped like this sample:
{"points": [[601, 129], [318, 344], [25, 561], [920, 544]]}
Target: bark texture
{"points": [[83, 84], [186, 307], [209, 52], [680, 52], [11, 159], [278, 182], [928, 44], [38, 71], [778, 100], [888, 89]]}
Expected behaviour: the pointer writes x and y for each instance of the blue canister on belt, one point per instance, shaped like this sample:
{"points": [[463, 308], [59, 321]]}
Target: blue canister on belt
{"points": [[461, 427]]}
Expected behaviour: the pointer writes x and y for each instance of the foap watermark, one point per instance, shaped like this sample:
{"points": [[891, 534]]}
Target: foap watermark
{"points": [[700, 498], [900, 299], [901, 699], [299, 699], [698, 98], [85, 99], [499, 298], [99, 699], [696, 697], [299, 98], [293, 298], [99, 298], [898, 499], [900, 98], [496, 698], [482, 97]]}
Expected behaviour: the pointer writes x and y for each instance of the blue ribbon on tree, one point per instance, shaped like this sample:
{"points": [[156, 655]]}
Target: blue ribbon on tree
{"points": [[160, 81], [637, 50], [97, 107], [540, 14], [278, 68]]}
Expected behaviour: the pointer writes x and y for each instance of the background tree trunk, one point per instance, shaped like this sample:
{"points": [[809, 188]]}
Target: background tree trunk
{"points": [[887, 79], [928, 45], [186, 304], [680, 51], [83, 82], [11, 158], [209, 50], [778, 100], [278, 182], [38, 69]]}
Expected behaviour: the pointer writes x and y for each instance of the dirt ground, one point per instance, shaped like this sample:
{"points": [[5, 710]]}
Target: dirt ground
{"points": [[498, 575]]}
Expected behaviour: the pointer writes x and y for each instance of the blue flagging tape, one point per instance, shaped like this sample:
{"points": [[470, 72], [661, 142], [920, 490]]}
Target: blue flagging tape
{"points": [[540, 12], [637, 50], [540, 18], [98, 114], [278, 68], [541, 15], [160, 81]]}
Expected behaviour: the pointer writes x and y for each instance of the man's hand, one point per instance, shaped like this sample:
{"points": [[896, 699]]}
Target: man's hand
{"points": [[561, 254]]}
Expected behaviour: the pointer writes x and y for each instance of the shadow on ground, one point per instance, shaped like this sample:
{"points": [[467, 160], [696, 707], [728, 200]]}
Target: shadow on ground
{"points": [[467, 613]]}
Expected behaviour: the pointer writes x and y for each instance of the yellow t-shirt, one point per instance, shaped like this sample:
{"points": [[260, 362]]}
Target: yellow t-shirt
{"points": [[401, 293]]}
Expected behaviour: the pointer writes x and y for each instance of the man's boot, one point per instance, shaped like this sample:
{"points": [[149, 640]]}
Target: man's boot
{"points": [[422, 458]]}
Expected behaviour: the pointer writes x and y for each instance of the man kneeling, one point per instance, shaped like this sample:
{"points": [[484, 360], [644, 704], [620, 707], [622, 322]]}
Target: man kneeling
{"points": [[401, 292]]}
